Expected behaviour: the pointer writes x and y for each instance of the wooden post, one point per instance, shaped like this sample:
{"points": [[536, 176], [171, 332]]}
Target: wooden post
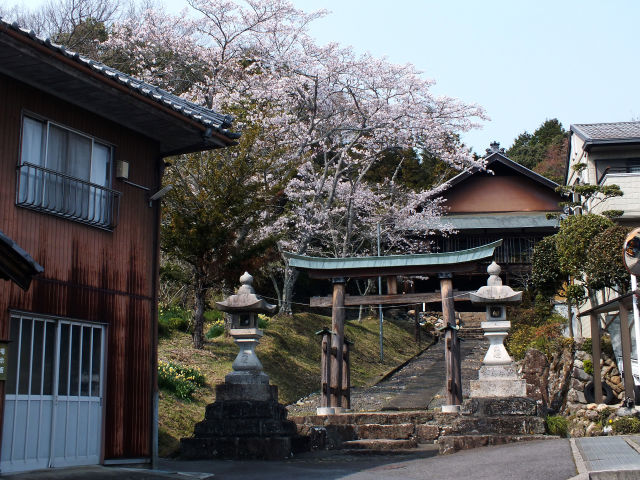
{"points": [[596, 355], [337, 341], [346, 376], [392, 285], [625, 337], [325, 372], [452, 349]]}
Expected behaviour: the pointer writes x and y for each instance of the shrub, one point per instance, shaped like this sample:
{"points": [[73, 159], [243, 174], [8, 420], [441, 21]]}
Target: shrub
{"points": [[173, 318], [604, 415], [626, 425], [263, 321], [588, 366], [179, 380], [557, 425], [215, 330], [587, 345], [212, 316]]}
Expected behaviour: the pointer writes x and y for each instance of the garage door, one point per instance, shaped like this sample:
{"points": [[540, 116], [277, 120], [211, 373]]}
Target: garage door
{"points": [[54, 392]]}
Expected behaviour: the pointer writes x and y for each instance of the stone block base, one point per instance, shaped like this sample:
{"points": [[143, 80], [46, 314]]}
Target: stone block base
{"points": [[245, 422], [498, 381], [237, 448]]}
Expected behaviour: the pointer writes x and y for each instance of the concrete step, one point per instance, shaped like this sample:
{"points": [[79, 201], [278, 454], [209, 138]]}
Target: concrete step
{"points": [[454, 443], [502, 425], [398, 431], [422, 450], [380, 444]]}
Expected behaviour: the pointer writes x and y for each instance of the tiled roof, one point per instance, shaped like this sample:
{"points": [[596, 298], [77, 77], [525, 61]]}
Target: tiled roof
{"points": [[190, 110], [607, 132], [16, 264]]}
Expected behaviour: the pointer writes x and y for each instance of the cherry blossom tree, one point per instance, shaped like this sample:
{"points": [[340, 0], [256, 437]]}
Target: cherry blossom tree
{"points": [[321, 117]]}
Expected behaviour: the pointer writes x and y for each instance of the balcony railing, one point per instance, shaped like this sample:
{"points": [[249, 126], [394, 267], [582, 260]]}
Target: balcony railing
{"points": [[634, 169], [46, 190]]}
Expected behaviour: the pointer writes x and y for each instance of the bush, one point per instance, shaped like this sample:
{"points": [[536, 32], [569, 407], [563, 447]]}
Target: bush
{"points": [[215, 330], [212, 316], [588, 366], [263, 321], [179, 380], [557, 425], [546, 337], [587, 345], [626, 425], [173, 318]]}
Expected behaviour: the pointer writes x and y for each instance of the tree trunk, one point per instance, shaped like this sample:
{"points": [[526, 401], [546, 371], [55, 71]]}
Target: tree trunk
{"points": [[198, 317], [569, 313]]}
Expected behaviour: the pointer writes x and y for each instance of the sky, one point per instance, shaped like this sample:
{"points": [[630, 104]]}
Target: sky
{"points": [[523, 61]]}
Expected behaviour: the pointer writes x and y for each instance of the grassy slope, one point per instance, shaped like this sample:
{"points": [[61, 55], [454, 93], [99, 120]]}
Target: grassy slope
{"points": [[290, 353]]}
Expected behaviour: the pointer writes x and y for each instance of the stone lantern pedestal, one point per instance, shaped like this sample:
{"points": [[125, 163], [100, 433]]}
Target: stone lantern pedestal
{"points": [[498, 376], [246, 421]]}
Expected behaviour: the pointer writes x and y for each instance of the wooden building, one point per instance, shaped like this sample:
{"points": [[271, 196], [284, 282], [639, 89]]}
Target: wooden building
{"points": [[81, 155], [508, 202]]}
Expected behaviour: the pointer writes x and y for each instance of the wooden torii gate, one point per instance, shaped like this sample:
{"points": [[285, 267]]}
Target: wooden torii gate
{"points": [[339, 269]]}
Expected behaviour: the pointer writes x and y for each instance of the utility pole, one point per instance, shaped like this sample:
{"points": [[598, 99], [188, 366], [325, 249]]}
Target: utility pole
{"points": [[380, 305]]}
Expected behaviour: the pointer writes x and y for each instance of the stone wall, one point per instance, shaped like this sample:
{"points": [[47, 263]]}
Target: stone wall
{"points": [[559, 386]]}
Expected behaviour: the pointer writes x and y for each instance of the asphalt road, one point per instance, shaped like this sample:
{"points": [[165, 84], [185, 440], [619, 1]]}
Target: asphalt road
{"points": [[547, 459]]}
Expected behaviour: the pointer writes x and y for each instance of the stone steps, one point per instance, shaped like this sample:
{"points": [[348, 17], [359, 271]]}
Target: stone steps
{"points": [[455, 443], [481, 422], [381, 444], [471, 332]]}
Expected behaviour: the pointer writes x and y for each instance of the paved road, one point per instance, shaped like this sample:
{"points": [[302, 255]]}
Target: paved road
{"points": [[548, 460]]}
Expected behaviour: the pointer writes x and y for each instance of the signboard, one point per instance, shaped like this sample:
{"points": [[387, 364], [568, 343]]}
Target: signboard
{"points": [[4, 357], [631, 252]]}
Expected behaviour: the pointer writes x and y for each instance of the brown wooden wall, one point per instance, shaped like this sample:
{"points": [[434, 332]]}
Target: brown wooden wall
{"points": [[90, 274], [484, 193]]}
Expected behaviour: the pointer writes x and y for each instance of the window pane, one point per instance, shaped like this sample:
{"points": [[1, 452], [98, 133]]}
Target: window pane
{"points": [[79, 160], [49, 357], [74, 384], [95, 365], [63, 382], [36, 363], [33, 141], [13, 356], [86, 361], [25, 357], [100, 164], [98, 199]]}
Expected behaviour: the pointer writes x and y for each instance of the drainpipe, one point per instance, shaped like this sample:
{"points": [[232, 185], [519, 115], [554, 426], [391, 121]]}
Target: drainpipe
{"points": [[153, 334]]}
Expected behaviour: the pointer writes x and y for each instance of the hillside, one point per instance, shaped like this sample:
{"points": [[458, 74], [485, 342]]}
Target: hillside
{"points": [[290, 353]]}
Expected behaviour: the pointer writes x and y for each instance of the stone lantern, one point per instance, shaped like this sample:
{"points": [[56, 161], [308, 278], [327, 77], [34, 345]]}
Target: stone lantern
{"points": [[498, 376], [244, 308], [246, 421]]}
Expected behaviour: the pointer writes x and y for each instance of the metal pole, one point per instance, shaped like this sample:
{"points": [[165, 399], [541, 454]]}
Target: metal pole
{"points": [[380, 305], [636, 318]]}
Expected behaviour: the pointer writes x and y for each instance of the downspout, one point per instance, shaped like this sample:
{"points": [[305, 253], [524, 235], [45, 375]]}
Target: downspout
{"points": [[153, 334]]}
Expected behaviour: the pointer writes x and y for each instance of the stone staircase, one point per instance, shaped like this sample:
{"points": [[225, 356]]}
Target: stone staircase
{"points": [[471, 328], [481, 422]]}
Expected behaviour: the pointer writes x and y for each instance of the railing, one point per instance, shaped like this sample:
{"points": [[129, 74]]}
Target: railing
{"points": [[627, 169], [46, 190]]}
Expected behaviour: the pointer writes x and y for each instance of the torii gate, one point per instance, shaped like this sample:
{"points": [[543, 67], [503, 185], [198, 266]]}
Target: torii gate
{"points": [[338, 269]]}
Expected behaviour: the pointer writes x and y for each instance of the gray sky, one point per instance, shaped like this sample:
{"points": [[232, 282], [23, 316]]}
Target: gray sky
{"points": [[523, 61]]}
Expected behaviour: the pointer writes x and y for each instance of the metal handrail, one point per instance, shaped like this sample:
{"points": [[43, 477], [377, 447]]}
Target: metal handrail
{"points": [[57, 193]]}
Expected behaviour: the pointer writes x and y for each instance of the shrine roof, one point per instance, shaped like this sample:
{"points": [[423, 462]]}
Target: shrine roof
{"points": [[416, 264]]}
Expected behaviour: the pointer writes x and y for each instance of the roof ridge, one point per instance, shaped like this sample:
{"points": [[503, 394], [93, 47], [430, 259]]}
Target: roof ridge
{"points": [[203, 115]]}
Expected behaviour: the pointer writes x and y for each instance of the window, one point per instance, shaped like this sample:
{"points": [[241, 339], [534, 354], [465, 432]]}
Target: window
{"points": [[66, 173]]}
